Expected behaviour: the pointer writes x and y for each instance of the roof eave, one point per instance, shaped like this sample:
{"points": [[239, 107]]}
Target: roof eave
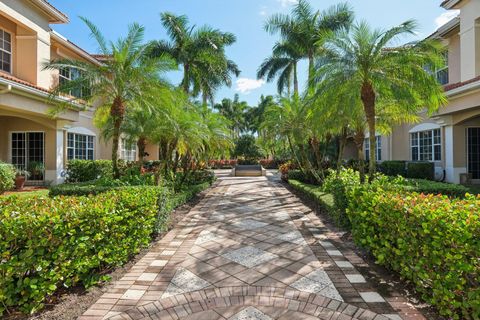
{"points": [[55, 15], [445, 29], [57, 37], [450, 4]]}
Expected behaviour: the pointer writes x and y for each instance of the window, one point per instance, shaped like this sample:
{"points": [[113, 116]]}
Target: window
{"points": [[129, 150], [442, 74], [69, 74], [80, 146], [5, 51], [378, 149], [426, 145]]}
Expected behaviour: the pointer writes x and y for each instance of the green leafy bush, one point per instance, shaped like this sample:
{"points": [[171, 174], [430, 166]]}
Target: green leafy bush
{"points": [[322, 200], [434, 187], [393, 168], [7, 177], [421, 170], [431, 240], [47, 243], [300, 176], [88, 170]]}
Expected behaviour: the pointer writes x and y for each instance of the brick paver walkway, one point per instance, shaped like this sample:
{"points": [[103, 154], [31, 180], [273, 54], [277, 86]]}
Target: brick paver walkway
{"points": [[249, 250]]}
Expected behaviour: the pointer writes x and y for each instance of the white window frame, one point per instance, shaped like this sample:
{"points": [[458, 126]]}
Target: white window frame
{"points": [[2, 50], [128, 154], [87, 147], [416, 142], [444, 69], [69, 78], [378, 148]]}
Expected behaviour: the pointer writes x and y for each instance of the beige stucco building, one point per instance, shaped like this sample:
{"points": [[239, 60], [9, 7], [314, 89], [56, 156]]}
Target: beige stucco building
{"points": [[451, 137], [28, 135]]}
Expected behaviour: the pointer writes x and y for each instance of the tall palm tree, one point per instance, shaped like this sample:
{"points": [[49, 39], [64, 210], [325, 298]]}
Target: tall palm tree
{"points": [[283, 63], [304, 27], [200, 51], [384, 79], [129, 76]]}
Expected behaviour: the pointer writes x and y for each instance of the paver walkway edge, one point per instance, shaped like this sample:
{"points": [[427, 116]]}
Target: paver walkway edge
{"points": [[249, 250]]}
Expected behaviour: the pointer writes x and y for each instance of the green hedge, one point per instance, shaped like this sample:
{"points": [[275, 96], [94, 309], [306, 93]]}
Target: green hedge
{"points": [[48, 243], [322, 200], [393, 168], [431, 240], [88, 170], [421, 170], [433, 187], [7, 177]]}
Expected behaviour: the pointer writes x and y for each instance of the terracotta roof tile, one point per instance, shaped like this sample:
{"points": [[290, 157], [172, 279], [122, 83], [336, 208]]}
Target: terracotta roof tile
{"points": [[456, 85], [20, 81]]}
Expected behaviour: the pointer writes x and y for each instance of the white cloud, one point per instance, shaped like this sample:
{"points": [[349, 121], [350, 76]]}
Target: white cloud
{"points": [[263, 11], [246, 85], [286, 3], [446, 17]]}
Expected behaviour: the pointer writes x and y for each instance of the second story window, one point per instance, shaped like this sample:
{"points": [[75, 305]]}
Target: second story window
{"points": [[5, 51], [442, 74], [69, 74]]}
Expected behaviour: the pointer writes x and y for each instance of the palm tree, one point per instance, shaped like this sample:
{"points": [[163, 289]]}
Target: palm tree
{"points": [[235, 111], [384, 79], [129, 76], [200, 51], [304, 27], [283, 63]]}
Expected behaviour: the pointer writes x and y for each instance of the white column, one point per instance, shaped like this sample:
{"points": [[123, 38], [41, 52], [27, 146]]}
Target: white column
{"points": [[55, 176], [452, 172]]}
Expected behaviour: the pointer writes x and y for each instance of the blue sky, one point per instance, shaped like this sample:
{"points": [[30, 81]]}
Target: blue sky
{"points": [[244, 18]]}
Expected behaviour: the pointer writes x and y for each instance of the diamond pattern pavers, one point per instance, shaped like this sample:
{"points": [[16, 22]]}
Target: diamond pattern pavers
{"points": [[249, 256], [248, 232]]}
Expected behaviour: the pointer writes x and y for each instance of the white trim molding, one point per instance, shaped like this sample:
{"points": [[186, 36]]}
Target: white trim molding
{"points": [[424, 127], [82, 130]]}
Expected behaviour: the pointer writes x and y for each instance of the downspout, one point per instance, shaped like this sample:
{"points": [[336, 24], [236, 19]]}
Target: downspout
{"points": [[7, 89]]}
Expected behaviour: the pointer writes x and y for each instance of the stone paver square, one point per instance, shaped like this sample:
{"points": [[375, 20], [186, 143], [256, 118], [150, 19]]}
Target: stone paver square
{"points": [[249, 256], [147, 276], [250, 313], [184, 281], [159, 263], [371, 297], [344, 264], [355, 278], [249, 224], [133, 294], [293, 237]]}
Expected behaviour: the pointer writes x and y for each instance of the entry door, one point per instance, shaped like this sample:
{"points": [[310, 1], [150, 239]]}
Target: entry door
{"points": [[27, 148], [473, 152]]}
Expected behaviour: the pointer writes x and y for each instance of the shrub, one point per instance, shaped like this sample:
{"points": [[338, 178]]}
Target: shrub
{"points": [[246, 147], [434, 187], [88, 170], [286, 167], [222, 164], [7, 177], [271, 163], [393, 168], [322, 200], [248, 161], [47, 243], [430, 240], [302, 177], [421, 170]]}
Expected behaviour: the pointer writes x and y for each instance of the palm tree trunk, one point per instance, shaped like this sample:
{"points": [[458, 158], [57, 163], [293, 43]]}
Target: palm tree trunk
{"points": [[295, 80], [342, 141], [186, 79], [311, 68], [141, 144], [117, 112], [204, 98], [359, 140], [368, 100]]}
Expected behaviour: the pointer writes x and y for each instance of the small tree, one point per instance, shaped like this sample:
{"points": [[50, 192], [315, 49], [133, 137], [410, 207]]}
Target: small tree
{"points": [[383, 78]]}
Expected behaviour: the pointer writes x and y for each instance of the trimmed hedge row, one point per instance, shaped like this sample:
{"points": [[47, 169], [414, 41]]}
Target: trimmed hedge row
{"points": [[407, 169], [431, 240], [47, 243], [88, 170]]}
